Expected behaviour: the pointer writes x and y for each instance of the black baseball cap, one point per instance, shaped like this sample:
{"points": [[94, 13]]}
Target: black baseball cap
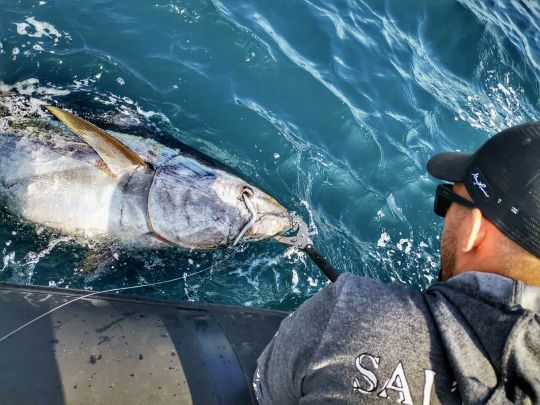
{"points": [[503, 179]]}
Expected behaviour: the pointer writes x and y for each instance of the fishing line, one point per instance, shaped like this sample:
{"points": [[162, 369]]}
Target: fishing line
{"points": [[172, 280], [246, 195]]}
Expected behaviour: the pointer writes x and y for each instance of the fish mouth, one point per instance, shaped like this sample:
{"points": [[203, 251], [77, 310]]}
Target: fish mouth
{"points": [[270, 224], [266, 217]]}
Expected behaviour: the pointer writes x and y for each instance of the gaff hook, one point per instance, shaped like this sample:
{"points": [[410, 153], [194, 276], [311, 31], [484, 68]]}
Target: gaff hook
{"points": [[303, 242]]}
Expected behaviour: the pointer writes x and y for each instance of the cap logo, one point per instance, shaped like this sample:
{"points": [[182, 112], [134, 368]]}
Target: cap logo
{"points": [[479, 184]]}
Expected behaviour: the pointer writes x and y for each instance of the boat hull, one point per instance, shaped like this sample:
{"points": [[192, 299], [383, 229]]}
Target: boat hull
{"points": [[121, 349]]}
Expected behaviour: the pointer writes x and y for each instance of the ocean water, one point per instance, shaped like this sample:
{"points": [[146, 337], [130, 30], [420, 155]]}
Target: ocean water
{"points": [[334, 108]]}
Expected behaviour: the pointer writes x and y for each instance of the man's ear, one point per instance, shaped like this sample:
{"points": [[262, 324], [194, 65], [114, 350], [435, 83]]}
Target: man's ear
{"points": [[476, 230]]}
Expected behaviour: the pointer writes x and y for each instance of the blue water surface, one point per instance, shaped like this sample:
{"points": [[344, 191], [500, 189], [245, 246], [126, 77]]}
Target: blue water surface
{"points": [[333, 107]]}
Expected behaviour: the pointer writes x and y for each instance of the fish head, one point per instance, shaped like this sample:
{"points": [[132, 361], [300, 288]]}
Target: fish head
{"points": [[195, 206], [270, 217]]}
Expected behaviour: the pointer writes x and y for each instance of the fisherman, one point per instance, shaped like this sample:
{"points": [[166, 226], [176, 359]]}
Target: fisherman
{"points": [[474, 337]]}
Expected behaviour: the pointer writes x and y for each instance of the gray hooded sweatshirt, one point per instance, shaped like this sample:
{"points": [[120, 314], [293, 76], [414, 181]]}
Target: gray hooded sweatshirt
{"points": [[472, 339]]}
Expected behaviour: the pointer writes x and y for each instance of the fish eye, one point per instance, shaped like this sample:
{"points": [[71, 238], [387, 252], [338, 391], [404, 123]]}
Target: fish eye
{"points": [[247, 191]]}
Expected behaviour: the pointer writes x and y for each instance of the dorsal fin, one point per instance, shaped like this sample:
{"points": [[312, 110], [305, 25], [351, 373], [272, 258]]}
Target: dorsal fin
{"points": [[117, 156]]}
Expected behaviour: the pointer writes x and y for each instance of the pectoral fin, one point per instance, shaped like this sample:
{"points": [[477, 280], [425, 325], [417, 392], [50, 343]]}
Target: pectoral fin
{"points": [[117, 156]]}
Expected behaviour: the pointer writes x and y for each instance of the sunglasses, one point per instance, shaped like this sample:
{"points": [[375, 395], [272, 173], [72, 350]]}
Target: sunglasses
{"points": [[444, 197]]}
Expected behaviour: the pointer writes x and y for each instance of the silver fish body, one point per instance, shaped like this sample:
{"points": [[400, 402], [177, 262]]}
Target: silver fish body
{"points": [[51, 178]]}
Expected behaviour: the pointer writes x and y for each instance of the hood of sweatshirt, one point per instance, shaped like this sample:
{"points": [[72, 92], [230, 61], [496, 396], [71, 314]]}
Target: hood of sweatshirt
{"points": [[490, 329]]}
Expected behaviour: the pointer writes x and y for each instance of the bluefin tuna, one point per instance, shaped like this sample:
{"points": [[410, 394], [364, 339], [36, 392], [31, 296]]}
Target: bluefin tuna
{"points": [[114, 186]]}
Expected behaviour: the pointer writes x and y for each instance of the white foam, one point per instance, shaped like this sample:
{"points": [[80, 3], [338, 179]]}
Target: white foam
{"points": [[58, 283], [408, 246], [190, 16], [120, 81], [9, 259], [149, 114], [24, 269], [31, 87], [38, 29], [83, 82], [312, 282], [15, 51], [294, 255], [26, 99], [294, 278], [320, 159], [312, 228], [383, 240], [492, 110]]}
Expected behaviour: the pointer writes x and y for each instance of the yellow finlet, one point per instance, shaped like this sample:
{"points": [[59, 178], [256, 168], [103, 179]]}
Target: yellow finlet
{"points": [[117, 156]]}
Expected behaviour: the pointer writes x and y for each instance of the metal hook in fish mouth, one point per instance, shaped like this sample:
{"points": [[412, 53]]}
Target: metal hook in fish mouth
{"points": [[247, 193]]}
